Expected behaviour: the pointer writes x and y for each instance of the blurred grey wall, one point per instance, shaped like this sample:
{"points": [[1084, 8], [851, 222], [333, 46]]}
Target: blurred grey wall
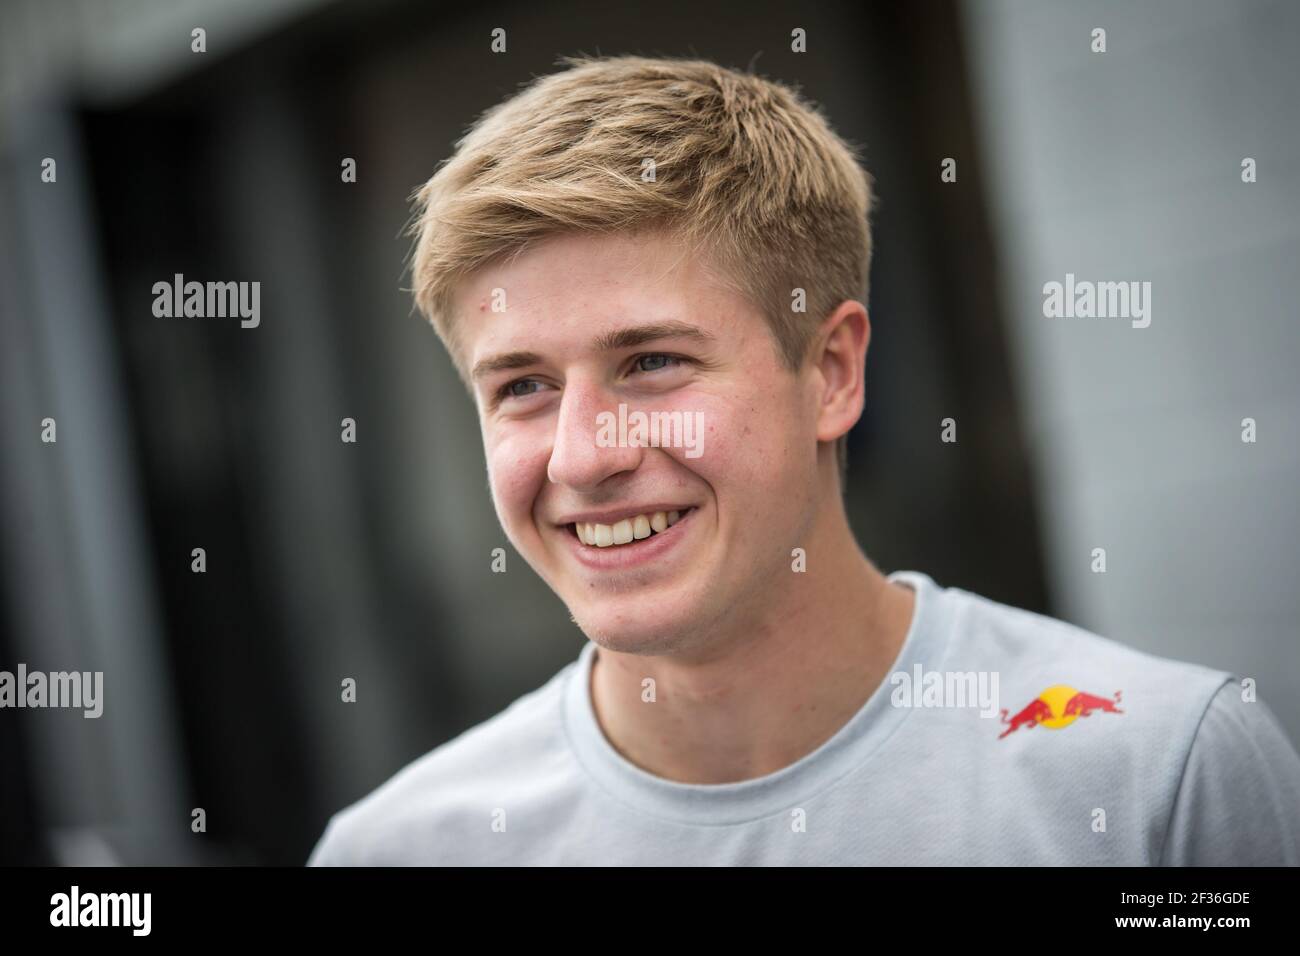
{"points": [[78, 570], [1126, 165], [111, 49]]}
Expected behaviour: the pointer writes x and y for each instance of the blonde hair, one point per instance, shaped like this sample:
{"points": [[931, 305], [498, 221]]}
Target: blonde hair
{"points": [[746, 172]]}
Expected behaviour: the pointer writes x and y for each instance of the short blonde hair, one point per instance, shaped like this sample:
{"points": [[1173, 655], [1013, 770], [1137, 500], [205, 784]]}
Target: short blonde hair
{"points": [[746, 172]]}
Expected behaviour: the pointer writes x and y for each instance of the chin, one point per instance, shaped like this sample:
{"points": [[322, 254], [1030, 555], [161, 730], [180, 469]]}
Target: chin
{"points": [[642, 632]]}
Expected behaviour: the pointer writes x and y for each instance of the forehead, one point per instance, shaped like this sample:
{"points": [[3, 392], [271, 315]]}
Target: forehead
{"points": [[566, 290]]}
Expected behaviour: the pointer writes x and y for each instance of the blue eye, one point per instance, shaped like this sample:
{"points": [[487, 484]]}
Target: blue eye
{"points": [[659, 360], [519, 388]]}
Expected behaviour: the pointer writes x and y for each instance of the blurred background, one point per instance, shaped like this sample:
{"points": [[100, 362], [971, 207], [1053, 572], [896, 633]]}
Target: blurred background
{"points": [[371, 560]]}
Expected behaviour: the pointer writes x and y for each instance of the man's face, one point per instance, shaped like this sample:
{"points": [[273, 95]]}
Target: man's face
{"points": [[592, 323]]}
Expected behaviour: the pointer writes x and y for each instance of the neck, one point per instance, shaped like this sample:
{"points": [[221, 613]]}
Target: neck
{"points": [[775, 685]]}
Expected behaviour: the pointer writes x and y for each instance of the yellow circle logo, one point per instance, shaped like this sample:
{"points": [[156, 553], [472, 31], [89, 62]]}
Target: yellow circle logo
{"points": [[1057, 697]]}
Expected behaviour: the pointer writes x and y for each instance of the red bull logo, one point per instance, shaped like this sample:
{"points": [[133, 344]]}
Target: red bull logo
{"points": [[1058, 707]]}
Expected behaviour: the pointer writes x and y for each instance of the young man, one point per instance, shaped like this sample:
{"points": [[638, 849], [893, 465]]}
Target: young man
{"points": [[651, 274]]}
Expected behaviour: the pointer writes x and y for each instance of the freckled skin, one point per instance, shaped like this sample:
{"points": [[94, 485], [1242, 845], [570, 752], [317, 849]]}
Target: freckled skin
{"points": [[753, 485]]}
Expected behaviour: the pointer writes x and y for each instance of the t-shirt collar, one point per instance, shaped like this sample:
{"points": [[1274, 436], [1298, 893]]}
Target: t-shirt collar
{"points": [[730, 803]]}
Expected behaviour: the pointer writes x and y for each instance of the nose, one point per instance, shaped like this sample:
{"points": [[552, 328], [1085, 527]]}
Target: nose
{"points": [[577, 459]]}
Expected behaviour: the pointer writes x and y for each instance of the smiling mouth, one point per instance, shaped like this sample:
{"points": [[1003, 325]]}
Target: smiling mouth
{"points": [[628, 530]]}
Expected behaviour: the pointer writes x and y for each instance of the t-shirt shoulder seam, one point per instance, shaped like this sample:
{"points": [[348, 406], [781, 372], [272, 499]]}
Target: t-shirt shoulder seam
{"points": [[1187, 759]]}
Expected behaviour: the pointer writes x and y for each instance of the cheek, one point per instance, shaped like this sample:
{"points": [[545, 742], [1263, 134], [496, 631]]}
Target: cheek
{"points": [[516, 473], [752, 437]]}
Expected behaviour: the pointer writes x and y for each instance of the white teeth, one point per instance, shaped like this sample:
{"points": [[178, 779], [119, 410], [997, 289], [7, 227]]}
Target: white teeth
{"points": [[625, 531]]}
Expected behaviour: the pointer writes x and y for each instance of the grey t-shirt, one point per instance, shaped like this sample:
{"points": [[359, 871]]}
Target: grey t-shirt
{"points": [[1096, 754]]}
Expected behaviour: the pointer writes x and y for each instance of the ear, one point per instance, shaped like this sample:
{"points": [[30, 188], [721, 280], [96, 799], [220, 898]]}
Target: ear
{"points": [[840, 362]]}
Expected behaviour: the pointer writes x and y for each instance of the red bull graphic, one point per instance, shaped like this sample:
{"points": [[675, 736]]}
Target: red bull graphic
{"points": [[1058, 707]]}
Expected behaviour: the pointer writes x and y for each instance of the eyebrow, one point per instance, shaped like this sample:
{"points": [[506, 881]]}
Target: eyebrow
{"points": [[609, 342]]}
